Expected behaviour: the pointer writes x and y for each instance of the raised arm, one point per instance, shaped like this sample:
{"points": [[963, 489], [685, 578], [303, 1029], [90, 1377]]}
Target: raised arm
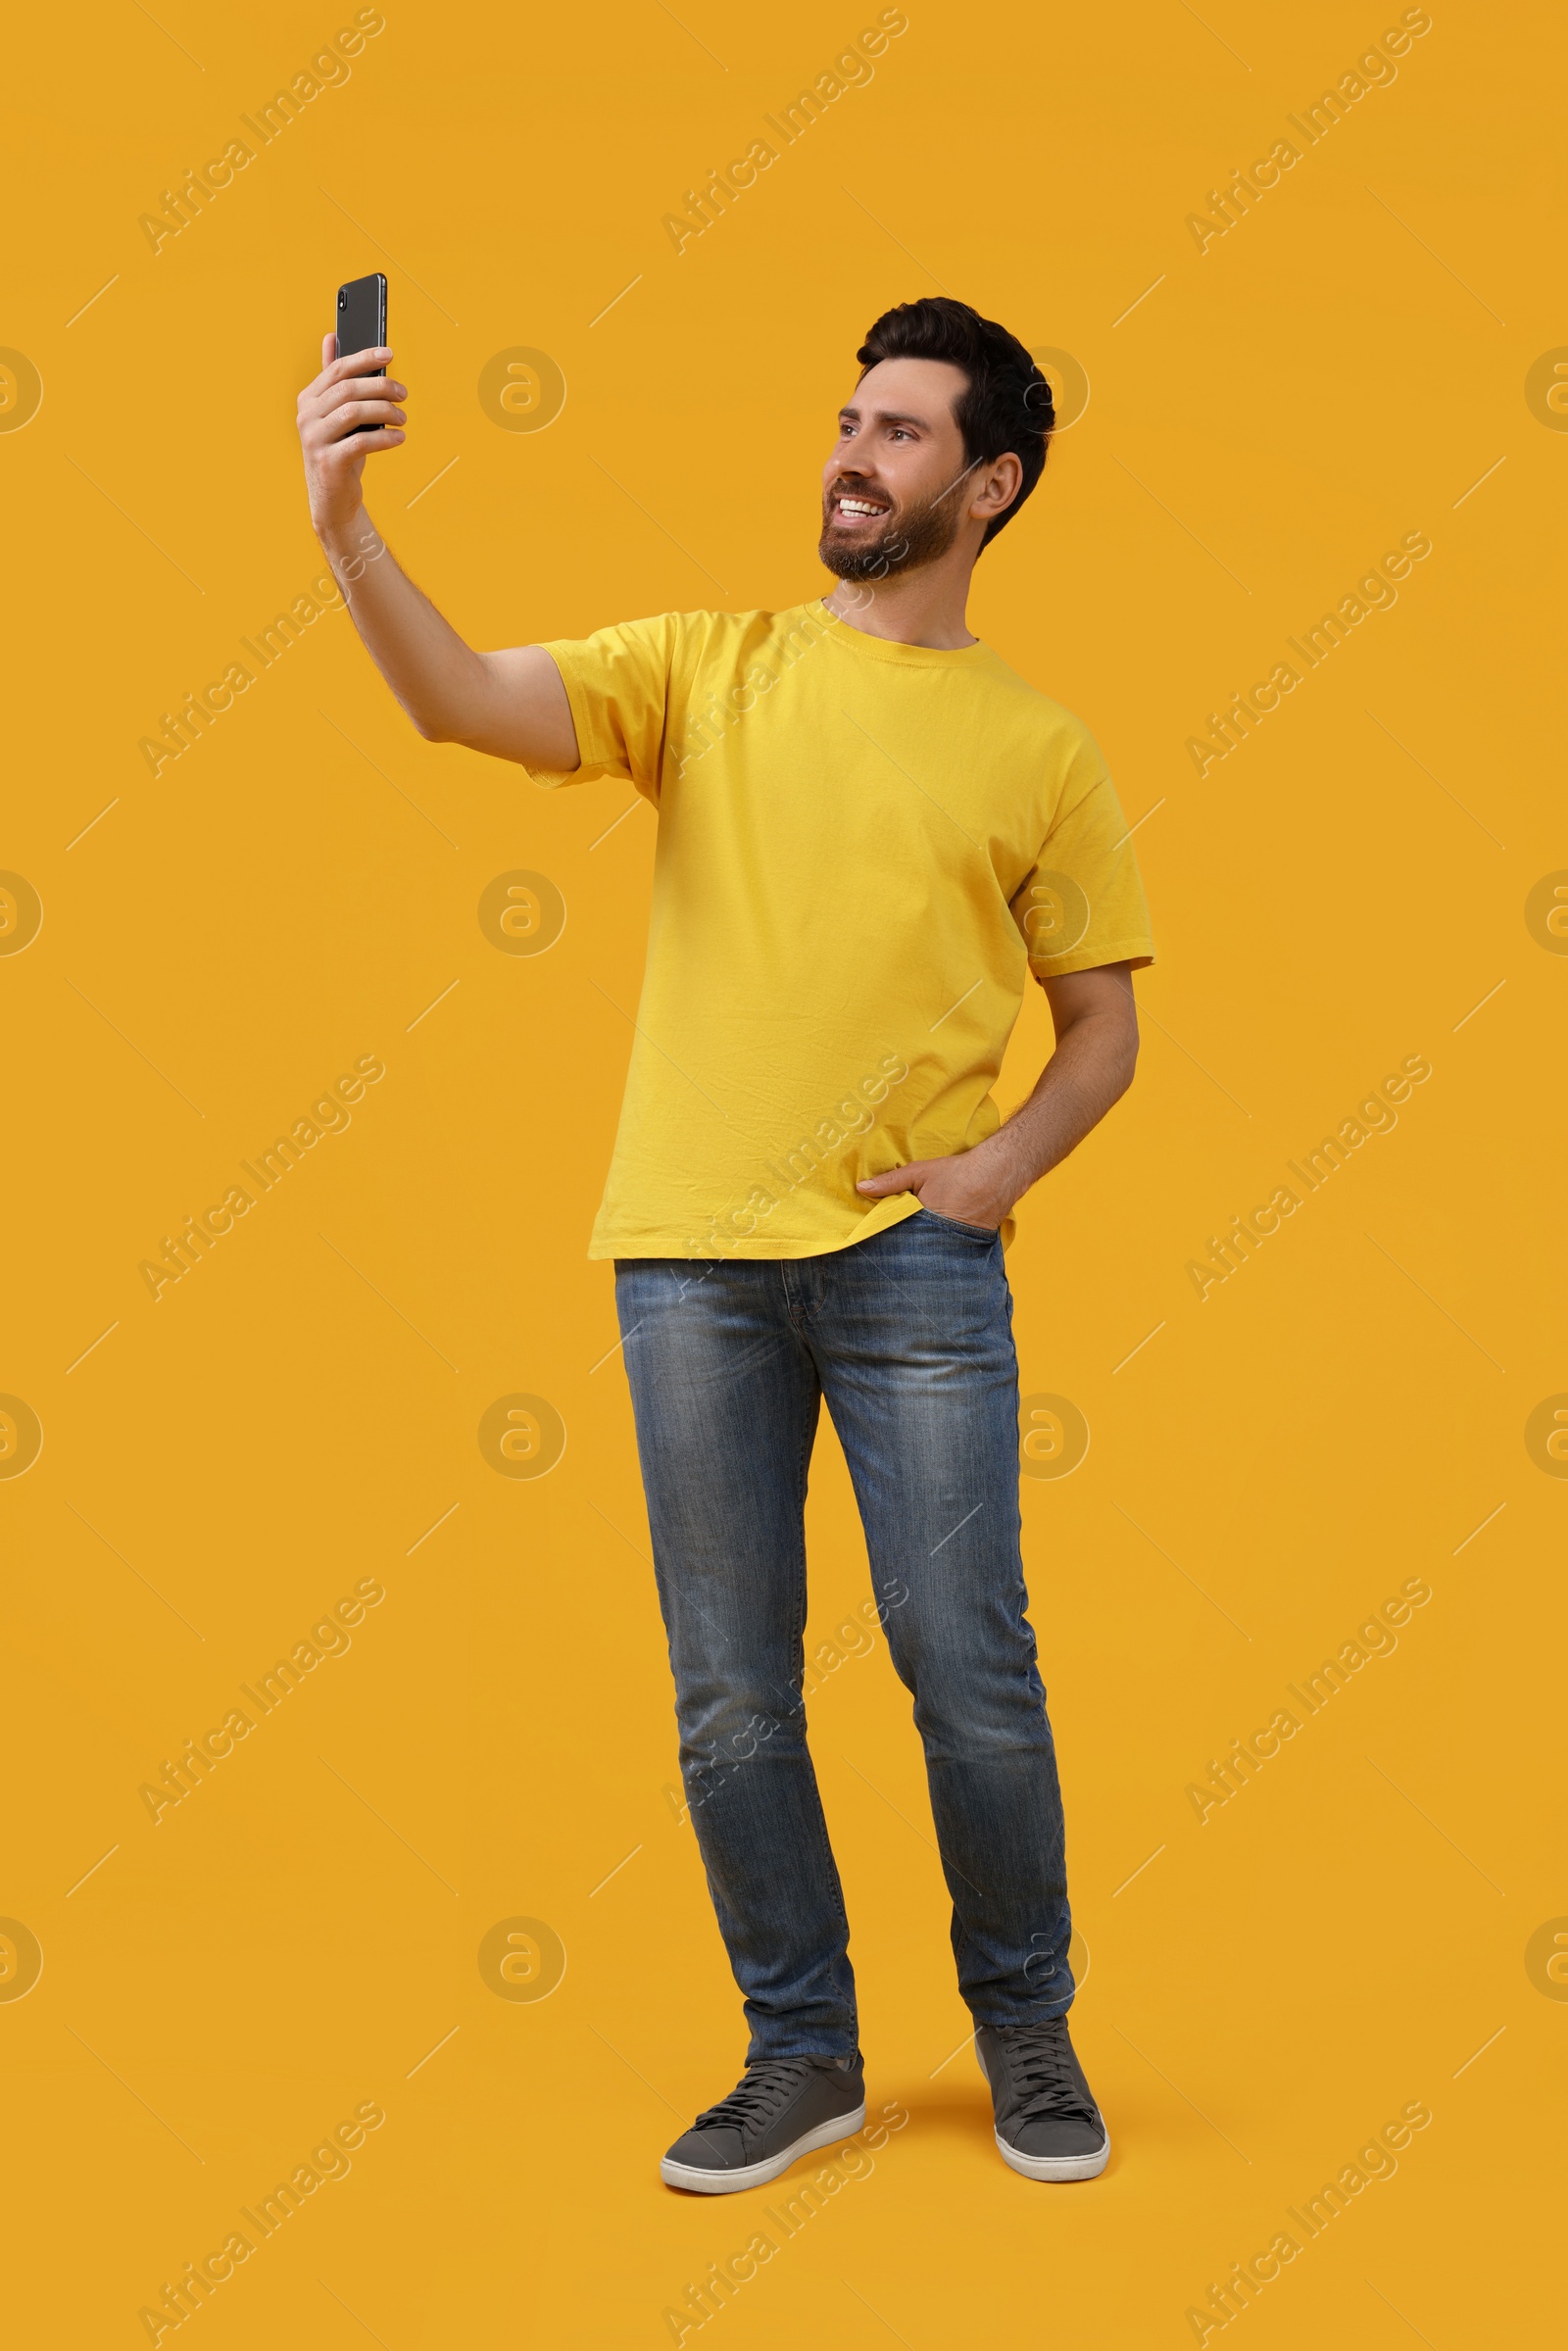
{"points": [[510, 703]]}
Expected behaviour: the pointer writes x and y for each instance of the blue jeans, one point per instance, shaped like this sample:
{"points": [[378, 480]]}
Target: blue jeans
{"points": [[910, 1338]]}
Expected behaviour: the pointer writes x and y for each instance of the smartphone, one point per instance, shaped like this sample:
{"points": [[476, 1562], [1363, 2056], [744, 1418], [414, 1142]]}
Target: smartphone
{"points": [[361, 320]]}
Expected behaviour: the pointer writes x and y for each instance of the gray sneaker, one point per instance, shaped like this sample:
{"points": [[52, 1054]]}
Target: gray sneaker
{"points": [[781, 2108], [1047, 2125]]}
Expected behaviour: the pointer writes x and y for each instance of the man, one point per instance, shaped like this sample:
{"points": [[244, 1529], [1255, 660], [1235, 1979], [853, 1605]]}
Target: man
{"points": [[869, 831]]}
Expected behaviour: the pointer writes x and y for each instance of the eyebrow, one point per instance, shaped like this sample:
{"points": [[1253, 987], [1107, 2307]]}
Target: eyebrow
{"points": [[887, 417]]}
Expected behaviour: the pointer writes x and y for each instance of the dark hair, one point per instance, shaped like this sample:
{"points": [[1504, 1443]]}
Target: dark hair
{"points": [[1006, 404]]}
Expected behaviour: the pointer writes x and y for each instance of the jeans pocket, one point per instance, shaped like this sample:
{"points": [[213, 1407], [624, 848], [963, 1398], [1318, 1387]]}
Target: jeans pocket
{"points": [[976, 1232]]}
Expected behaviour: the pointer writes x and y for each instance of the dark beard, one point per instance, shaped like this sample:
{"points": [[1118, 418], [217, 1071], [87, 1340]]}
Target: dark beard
{"points": [[918, 536]]}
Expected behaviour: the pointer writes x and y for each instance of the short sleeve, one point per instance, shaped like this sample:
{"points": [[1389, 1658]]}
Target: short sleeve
{"points": [[617, 684], [1082, 903]]}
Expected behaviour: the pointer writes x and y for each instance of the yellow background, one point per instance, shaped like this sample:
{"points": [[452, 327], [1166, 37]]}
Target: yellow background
{"points": [[293, 1416]]}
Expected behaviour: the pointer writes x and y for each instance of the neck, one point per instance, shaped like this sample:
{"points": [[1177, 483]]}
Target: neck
{"points": [[923, 607]]}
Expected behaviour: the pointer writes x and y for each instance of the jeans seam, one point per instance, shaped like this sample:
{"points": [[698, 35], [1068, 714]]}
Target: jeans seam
{"points": [[824, 1841]]}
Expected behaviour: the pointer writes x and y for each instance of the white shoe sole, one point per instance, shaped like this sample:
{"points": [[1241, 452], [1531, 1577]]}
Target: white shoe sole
{"points": [[1046, 2167], [757, 2175], [1054, 2167]]}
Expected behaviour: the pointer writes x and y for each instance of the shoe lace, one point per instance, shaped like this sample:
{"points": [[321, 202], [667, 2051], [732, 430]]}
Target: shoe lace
{"points": [[1043, 2072], [758, 2096]]}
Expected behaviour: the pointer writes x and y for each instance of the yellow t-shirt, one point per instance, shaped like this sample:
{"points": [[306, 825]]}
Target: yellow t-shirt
{"points": [[863, 849]]}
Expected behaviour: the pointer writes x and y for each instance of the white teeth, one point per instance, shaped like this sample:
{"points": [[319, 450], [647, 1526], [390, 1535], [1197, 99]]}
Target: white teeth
{"points": [[857, 505]]}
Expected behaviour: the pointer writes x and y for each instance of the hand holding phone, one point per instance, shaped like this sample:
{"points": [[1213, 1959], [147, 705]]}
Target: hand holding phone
{"points": [[351, 412]]}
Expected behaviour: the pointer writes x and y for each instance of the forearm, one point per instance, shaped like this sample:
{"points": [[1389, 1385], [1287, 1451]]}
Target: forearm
{"points": [[444, 685], [1089, 1070]]}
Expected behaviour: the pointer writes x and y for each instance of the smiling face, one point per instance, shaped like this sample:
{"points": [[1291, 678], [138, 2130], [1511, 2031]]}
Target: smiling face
{"points": [[898, 486]]}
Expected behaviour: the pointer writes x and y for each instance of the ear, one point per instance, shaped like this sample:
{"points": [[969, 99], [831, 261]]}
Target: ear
{"points": [[998, 486]]}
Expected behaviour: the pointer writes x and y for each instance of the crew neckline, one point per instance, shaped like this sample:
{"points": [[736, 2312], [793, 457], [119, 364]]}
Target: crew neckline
{"points": [[888, 649]]}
